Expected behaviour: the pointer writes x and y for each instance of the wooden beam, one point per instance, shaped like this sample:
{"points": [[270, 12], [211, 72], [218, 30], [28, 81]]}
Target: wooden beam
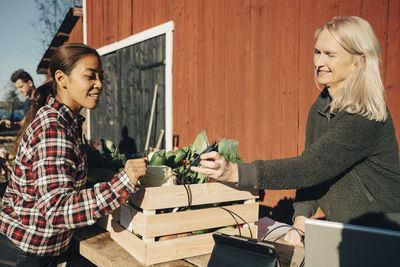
{"points": [[41, 71], [77, 12], [62, 34]]}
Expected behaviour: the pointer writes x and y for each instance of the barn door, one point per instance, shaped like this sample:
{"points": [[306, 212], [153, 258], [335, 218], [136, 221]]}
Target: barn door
{"points": [[130, 76]]}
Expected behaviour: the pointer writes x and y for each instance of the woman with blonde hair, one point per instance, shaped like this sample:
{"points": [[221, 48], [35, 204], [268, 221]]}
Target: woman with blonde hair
{"points": [[350, 165]]}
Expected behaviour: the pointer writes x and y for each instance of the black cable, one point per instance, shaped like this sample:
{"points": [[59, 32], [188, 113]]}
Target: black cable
{"points": [[237, 223], [189, 196], [244, 222], [279, 237], [302, 262], [281, 226], [212, 147], [188, 192], [292, 228], [195, 162]]}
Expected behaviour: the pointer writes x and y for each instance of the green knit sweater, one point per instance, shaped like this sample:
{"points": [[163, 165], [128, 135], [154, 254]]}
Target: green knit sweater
{"points": [[350, 166]]}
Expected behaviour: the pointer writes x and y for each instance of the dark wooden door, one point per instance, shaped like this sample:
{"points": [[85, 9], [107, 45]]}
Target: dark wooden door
{"points": [[130, 76]]}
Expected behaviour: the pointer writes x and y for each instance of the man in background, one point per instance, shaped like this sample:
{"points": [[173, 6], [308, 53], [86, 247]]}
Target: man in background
{"points": [[24, 84]]}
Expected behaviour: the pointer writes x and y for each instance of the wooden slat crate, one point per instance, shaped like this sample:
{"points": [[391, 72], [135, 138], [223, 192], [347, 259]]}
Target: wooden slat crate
{"points": [[146, 220]]}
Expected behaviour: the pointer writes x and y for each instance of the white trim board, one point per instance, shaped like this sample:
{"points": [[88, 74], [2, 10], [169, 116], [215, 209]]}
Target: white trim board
{"points": [[167, 29], [137, 38], [84, 22]]}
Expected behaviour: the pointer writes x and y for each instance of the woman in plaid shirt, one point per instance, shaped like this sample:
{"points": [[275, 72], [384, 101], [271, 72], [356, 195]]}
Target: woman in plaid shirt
{"points": [[46, 196]]}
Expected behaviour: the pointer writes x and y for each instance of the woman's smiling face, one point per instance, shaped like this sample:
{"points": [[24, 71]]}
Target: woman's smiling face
{"points": [[332, 62], [83, 87]]}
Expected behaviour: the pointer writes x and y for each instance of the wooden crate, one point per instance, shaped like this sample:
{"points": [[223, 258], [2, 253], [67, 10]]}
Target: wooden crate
{"points": [[146, 220]]}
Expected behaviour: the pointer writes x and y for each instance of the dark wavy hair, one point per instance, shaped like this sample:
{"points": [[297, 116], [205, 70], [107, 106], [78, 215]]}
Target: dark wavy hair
{"points": [[21, 74], [64, 58]]}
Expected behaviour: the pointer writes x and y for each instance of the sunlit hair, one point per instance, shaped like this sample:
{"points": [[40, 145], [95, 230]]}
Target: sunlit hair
{"points": [[21, 74], [363, 91], [64, 58]]}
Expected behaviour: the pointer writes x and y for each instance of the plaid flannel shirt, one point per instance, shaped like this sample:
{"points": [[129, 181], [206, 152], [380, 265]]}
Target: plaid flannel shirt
{"points": [[46, 196]]}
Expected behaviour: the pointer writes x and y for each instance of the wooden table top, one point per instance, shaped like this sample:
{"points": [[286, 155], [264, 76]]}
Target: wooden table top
{"points": [[97, 246]]}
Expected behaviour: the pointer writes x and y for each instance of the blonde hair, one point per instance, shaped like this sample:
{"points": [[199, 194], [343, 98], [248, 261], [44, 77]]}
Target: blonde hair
{"points": [[363, 91]]}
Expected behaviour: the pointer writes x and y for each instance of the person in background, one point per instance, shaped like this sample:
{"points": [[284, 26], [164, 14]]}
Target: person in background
{"points": [[350, 165], [24, 84], [46, 198]]}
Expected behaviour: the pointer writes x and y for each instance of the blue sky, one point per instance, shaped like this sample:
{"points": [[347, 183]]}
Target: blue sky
{"points": [[20, 46]]}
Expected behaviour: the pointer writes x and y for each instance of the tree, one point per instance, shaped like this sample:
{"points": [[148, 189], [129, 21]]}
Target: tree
{"points": [[13, 101], [51, 15]]}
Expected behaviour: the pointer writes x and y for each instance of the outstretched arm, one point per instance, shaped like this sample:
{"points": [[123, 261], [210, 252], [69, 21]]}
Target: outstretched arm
{"points": [[216, 166]]}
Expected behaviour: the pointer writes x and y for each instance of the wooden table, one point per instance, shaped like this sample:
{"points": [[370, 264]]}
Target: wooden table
{"points": [[97, 246]]}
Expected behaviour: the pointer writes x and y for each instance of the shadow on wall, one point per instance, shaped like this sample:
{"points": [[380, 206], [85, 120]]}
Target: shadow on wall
{"points": [[282, 212], [127, 145]]}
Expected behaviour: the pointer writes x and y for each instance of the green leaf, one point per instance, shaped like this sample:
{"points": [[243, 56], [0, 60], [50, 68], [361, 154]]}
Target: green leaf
{"points": [[228, 148], [200, 143], [158, 158]]}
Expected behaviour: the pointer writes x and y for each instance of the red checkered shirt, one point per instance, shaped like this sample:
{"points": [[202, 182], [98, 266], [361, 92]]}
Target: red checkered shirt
{"points": [[46, 196]]}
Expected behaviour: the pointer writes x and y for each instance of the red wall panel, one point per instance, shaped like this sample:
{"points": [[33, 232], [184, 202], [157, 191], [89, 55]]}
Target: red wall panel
{"points": [[243, 69], [76, 35]]}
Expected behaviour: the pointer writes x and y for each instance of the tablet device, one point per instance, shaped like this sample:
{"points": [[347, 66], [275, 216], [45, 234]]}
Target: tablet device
{"points": [[332, 244]]}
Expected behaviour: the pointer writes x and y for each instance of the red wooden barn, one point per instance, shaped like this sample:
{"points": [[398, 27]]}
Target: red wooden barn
{"points": [[242, 69]]}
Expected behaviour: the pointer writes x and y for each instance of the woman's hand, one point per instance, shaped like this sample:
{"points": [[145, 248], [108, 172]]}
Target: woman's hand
{"points": [[292, 236], [136, 168], [216, 166], [5, 167], [6, 123]]}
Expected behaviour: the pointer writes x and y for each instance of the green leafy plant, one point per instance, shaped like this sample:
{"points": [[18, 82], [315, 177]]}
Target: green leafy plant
{"points": [[181, 159]]}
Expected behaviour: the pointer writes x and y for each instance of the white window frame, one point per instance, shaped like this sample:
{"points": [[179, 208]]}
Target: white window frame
{"points": [[167, 29]]}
